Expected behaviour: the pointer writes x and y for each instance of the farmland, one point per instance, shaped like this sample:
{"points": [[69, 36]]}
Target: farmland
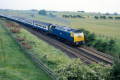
{"points": [[14, 64]]}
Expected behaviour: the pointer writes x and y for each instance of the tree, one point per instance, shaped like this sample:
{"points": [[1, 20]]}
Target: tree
{"points": [[110, 17], [96, 17], [115, 72], [81, 11], [74, 16], [115, 13], [117, 18], [34, 10], [52, 15], [97, 45], [103, 17], [42, 12], [89, 37], [107, 13], [111, 45]]}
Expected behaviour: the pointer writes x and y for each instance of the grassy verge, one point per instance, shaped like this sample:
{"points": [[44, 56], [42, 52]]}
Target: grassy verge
{"points": [[48, 54], [14, 64]]}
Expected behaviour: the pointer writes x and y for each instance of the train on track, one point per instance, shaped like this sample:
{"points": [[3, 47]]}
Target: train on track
{"points": [[68, 35]]}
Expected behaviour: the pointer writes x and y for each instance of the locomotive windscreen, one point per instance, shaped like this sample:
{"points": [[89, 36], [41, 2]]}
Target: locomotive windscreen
{"points": [[76, 31]]}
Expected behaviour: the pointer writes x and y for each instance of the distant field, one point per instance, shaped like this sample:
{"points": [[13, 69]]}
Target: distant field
{"points": [[14, 64], [109, 28]]}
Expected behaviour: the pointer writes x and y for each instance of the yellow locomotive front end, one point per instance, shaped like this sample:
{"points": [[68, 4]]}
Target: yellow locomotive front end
{"points": [[78, 38]]}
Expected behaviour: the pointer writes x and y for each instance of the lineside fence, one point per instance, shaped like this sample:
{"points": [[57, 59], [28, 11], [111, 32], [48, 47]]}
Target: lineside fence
{"points": [[36, 60]]}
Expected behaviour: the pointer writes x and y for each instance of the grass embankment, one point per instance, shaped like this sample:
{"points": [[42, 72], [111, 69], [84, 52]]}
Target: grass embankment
{"points": [[48, 54], [14, 64]]}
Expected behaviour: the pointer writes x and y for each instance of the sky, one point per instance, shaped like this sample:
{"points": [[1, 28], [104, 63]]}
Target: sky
{"points": [[102, 6]]}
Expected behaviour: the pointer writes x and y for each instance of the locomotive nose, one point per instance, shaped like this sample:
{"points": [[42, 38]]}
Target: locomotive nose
{"points": [[78, 37]]}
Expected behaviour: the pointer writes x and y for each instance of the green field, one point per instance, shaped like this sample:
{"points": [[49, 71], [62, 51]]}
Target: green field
{"points": [[14, 64]]}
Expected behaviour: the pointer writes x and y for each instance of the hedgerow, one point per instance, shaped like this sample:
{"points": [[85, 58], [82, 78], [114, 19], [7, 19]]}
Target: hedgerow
{"points": [[107, 46]]}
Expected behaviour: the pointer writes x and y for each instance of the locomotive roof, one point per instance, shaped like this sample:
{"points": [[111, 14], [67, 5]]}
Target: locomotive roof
{"points": [[67, 29]]}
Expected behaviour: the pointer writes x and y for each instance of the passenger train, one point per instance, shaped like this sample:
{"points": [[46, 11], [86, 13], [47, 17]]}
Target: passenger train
{"points": [[69, 35]]}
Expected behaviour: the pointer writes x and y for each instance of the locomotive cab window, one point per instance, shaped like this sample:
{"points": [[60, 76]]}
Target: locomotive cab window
{"points": [[78, 34], [53, 26]]}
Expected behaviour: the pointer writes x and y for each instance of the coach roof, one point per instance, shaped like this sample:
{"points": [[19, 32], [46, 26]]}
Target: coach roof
{"points": [[42, 23]]}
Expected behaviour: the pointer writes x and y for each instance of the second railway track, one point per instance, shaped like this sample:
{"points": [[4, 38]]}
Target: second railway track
{"points": [[87, 55]]}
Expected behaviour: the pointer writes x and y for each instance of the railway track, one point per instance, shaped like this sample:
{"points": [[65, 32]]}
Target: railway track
{"points": [[100, 57], [87, 55]]}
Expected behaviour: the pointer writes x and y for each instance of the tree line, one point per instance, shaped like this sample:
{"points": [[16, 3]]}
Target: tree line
{"points": [[95, 17], [72, 16], [104, 17]]}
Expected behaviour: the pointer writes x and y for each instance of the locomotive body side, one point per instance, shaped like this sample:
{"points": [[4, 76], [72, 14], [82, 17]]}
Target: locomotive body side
{"points": [[70, 35], [61, 34]]}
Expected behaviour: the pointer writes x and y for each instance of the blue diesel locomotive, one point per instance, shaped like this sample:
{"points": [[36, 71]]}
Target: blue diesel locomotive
{"points": [[67, 34]]}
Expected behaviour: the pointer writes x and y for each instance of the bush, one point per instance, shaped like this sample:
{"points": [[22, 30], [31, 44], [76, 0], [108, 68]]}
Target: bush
{"points": [[100, 45], [76, 70], [90, 38], [111, 45], [96, 17], [115, 72], [52, 15], [42, 12]]}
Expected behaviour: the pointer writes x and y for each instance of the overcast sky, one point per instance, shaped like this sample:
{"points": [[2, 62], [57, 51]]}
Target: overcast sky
{"points": [[63, 5]]}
